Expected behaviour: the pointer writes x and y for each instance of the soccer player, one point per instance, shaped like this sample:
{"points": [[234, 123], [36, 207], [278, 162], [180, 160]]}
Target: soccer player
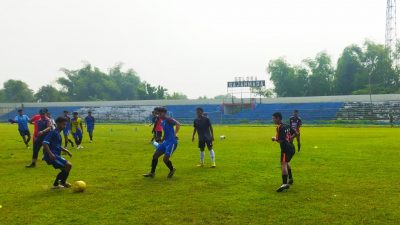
{"points": [[52, 154], [52, 121], [202, 126], [33, 121], [67, 129], [89, 121], [284, 136], [168, 146], [77, 129], [157, 128], [23, 128], [295, 123], [43, 128]]}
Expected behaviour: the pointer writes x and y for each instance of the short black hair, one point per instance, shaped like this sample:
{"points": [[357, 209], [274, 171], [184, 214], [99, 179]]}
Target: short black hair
{"points": [[296, 111], [89, 111], [75, 113], [66, 111], [19, 110], [61, 120], [200, 109], [277, 115]]}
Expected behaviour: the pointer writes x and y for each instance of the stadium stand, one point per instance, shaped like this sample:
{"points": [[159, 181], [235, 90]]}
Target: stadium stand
{"points": [[326, 109]]}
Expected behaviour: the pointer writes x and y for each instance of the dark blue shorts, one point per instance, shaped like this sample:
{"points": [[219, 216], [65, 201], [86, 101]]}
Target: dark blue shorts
{"points": [[77, 134], [58, 163], [24, 132], [90, 129], [168, 147]]}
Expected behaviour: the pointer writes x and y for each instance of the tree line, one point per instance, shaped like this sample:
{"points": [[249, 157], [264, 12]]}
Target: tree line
{"points": [[88, 84], [356, 68]]}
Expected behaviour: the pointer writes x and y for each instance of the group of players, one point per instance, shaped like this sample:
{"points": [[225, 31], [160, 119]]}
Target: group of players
{"points": [[47, 133]]}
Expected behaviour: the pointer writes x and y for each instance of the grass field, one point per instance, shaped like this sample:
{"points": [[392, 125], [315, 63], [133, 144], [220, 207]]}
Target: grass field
{"points": [[353, 177]]}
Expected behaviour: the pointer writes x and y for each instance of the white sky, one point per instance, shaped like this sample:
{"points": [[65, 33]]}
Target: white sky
{"points": [[188, 46]]}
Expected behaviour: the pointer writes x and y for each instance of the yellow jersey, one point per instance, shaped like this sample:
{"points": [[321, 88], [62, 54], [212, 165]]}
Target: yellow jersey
{"points": [[76, 124]]}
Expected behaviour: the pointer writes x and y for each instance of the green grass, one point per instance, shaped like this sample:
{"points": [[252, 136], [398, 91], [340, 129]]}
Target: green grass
{"points": [[353, 177]]}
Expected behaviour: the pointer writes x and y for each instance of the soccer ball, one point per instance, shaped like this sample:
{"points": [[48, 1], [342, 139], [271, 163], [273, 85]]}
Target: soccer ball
{"points": [[79, 186], [222, 137]]}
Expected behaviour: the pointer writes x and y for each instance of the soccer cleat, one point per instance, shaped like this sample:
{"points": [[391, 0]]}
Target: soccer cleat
{"points": [[90, 141], [213, 165], [32, 165], [291, 181], [171, 173], [283, 187], [57, 187], [200, 164], [151, 175], [66, 185]]}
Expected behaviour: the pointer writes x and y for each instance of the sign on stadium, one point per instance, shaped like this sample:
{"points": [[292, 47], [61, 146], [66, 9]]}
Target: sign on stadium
{"points": [[246, 83]]}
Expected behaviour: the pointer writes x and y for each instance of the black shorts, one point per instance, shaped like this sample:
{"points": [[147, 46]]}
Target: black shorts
{"points": [[24, 132], [203, 143], [287, 152], [158, 136]]}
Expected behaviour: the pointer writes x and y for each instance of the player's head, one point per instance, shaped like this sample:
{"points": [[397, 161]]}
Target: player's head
{"points": [[20, 111], [42, 113], [199, 112], [90, 113], [277, 117], [161, 111], [296, 112], [75, 114], [66, 112], [61, 123]]}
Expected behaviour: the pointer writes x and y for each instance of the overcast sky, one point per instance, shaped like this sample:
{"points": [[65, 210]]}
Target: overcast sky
{"points": [[189, 46]]}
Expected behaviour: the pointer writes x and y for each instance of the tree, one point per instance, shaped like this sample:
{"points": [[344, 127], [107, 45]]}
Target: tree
{"points": [[2, 95], [289, 81], [321, 77], [349, 67], [177, 96], [50, 94], [17, 91]]}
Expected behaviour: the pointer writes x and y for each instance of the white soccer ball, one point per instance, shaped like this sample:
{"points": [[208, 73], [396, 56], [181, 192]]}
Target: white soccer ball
{"points": [[222, 137]]}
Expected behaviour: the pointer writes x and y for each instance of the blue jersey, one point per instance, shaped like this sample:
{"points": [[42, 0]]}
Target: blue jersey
{"points": [[169, 131], [22, 122], [89, 120], [54, 140], [68, 127], [42, 125]]}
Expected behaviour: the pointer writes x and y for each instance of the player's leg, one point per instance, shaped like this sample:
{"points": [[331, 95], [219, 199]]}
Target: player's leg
{"points": [[212, 153], [35, 152], [170, 149], [90, 132], [24, 140], [202, 146], [154, 162], [289, 170], [28, 134], [61, 178], [284, 168]]}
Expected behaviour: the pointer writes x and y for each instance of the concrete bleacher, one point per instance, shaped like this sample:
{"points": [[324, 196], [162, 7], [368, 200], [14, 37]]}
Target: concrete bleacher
{"points": [[312, 109]]}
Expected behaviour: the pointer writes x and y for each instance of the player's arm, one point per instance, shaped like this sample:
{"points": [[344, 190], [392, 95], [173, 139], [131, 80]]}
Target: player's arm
{"points": [[194, 133], [48, 128], [177, 127], [66, 151], [46, 149], [13, 120], [212, 131]]}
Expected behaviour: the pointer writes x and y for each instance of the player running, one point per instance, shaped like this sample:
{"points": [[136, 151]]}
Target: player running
{"points": [[284, 136], [67, 129], [168, 146], [89, 121], [203, 127], [43, 128], [52, 154], [77, 129], [33, 121], [295, 123], [23, 128]]}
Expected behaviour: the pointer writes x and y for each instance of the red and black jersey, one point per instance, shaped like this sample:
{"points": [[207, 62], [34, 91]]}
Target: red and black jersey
{"points": [[284, 133], [295, 122]]}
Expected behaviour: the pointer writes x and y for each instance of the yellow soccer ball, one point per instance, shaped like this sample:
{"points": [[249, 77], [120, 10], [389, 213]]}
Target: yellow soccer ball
{"points": [[79, 186]]}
